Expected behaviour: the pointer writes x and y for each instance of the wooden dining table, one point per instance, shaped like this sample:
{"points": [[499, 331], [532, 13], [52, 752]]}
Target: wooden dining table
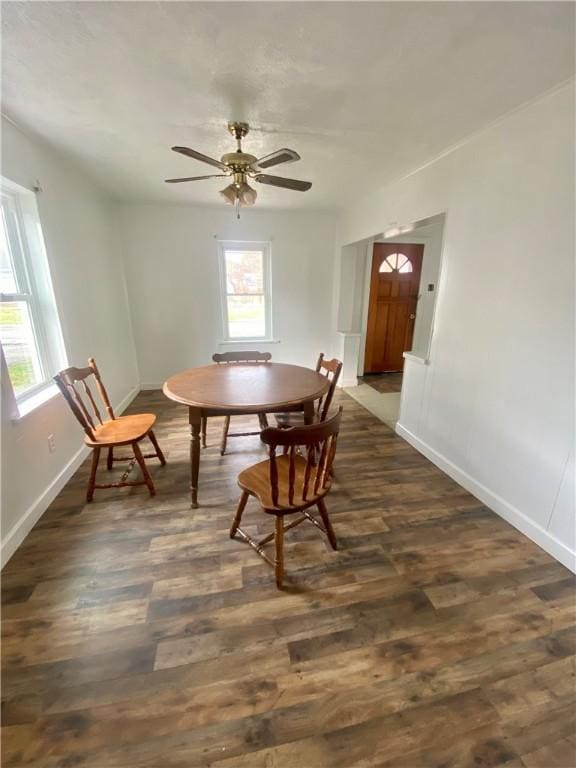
{"points": [[241, 388]]}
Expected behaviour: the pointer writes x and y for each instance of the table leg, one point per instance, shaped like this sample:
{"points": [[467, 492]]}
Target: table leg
{"points": [[309, 412], [195, 418]]}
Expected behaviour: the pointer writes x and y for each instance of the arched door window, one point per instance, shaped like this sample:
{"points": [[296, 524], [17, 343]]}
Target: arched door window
{"points": [[396, 262]]}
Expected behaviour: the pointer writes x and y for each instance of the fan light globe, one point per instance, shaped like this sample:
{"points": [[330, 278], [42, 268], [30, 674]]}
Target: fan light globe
{"points": [[229, 194], [247, 195]]}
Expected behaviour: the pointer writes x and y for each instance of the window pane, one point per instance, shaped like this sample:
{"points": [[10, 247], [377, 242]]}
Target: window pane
{"points": [[244, 272], [19, 346], [246, 317], [7, 276]]}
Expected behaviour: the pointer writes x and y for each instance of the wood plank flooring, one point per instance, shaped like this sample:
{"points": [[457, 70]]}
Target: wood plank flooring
{"points": [[136, 634]]}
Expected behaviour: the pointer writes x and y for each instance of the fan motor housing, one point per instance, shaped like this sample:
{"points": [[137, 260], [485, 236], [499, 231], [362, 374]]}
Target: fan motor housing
{"points": [[238, 159]]}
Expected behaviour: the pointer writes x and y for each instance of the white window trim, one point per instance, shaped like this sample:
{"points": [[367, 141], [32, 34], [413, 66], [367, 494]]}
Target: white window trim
{"points": [[242, 245], [35, 275]]}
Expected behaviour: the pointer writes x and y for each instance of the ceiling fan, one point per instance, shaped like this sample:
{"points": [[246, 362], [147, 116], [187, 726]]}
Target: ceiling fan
{"points": [[240, 166]]}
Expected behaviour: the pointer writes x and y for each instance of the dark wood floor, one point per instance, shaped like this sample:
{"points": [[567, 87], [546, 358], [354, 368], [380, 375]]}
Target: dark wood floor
{"points": [[383, 382], [138, 635]]}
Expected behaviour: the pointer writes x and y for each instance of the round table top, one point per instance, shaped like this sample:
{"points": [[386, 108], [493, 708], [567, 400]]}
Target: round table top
{"points": [[245, 386]]}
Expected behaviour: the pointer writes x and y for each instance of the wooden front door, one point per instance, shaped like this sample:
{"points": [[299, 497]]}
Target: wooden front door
{"points": [[394, 285]]}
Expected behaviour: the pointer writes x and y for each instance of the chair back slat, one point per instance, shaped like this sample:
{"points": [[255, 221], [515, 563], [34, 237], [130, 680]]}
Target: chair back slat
{"points": [[80, 403], [330, 461], [273, 475], [88, 394], [331, 369], [242, 357], [101, 388], [320, 444], [291, 474], [67, 381], [321, 466], [310, 452], [65, 389]]}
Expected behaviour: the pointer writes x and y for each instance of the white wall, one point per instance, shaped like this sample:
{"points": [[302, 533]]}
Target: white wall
{"points": [[171, 261], [90, 292], [351, 284], [495, 406]]}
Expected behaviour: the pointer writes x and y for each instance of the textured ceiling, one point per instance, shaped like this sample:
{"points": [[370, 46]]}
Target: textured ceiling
{"points": [[365, 92]]}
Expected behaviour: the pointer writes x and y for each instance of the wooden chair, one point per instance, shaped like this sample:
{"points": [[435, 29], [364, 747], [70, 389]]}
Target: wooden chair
{"points": [[294, 418], [110, 433], [230, 358], [290, 483]]}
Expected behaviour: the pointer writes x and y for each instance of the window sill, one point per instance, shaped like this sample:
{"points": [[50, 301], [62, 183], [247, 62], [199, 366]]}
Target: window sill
{"points": [[224, 342], [30, 404]]}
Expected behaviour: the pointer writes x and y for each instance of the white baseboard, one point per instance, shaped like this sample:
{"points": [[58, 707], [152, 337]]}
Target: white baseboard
{"points": [[515, 517], [149, 385], [35, 511]]}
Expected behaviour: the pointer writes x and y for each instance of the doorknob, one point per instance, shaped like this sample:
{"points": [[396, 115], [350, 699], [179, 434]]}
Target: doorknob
{"points": [[412, 316]]}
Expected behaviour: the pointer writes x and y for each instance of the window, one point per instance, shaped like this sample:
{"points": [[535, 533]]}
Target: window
{"points": [[245, 285], [396, 262], [29, 326]]}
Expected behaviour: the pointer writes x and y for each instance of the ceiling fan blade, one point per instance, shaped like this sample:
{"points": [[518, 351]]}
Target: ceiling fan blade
{"points": [[279, 181], [199, 156], [275, 158], [197, 178]]}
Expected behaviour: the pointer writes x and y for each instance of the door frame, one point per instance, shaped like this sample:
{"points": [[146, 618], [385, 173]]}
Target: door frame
{"points": [[385, 346], [413, 237]]}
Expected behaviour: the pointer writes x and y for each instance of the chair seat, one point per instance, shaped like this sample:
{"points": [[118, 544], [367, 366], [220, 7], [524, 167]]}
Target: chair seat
{"points": [[122, 430], [256, 481]]}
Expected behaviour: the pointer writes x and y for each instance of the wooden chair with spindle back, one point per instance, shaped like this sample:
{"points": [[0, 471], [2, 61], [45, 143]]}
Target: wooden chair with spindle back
{"points": [[231, 358], [109, 433], [291, 483], [294, 417]]}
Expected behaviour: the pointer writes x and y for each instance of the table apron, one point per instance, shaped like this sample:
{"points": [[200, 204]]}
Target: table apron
{"points": [[197, 413]]}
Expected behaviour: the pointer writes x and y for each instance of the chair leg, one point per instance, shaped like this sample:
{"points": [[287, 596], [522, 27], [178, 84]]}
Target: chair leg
{"points": [[204, 427], [263, 421], [157, 448], [279, 561], [110, 459], [238, 515], [224, 440], [144, 468], [327, 524], [92, 479]]}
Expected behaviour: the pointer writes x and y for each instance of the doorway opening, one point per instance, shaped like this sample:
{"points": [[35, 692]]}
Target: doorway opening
{"points": [[394, 283], [389, 285], [394, 287]]}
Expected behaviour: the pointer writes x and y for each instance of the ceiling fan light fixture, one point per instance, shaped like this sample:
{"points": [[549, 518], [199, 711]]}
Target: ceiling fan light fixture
{"points": [[243, 167], [229, 193], [247, 195]]}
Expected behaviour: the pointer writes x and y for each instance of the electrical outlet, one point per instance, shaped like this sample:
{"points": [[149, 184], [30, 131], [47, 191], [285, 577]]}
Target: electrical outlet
{"points": [[51, 443]]}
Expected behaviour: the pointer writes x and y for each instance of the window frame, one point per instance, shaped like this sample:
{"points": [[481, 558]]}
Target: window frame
{"points": [[33, 283], [398, 269], [241, 245]]}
